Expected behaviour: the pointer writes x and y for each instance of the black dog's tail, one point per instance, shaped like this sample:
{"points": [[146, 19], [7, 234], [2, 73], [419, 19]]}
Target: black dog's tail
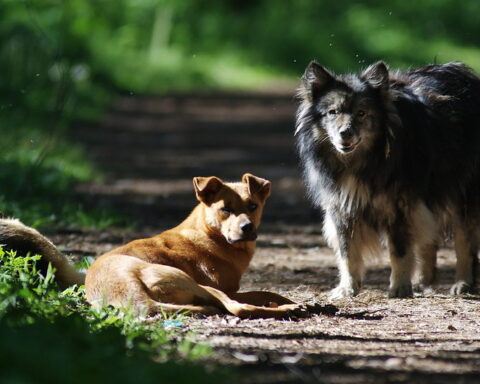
{"points": [[14, 235]]}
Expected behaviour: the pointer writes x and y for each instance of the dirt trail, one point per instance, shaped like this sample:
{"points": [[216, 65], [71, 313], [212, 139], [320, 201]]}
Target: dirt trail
{"points": [[151, 147]]}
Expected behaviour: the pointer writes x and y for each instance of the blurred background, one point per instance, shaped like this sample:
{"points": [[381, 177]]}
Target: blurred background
{"points": [[112, 106]]}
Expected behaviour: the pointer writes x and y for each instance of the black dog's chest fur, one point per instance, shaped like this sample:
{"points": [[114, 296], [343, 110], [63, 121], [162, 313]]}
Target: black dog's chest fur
{"points": [[372, 200]]}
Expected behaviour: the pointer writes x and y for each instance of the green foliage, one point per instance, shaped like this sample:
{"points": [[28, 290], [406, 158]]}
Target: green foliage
{"points": [[61, 61], [44, 87], [40, 192], [63, 58], [344, 35], [80, 49], [68, 352], [53, 336]]}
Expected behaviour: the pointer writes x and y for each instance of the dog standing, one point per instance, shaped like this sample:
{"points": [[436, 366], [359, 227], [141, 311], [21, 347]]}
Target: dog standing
{"points": [[196, 266], [389, 153]]}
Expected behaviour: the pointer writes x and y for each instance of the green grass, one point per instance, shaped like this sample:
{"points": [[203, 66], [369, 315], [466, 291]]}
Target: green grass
{"points": [[53, 336]]}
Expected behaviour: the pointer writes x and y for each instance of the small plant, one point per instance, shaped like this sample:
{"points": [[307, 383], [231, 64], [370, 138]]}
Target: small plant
{"points": [[58, 334]]}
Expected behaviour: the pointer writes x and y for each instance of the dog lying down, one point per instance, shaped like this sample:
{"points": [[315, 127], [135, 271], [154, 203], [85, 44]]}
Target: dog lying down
{"points": [[196, 266]]}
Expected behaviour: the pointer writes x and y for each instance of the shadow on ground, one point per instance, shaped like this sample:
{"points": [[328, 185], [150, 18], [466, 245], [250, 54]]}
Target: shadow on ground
{"points": [[151, 147]]}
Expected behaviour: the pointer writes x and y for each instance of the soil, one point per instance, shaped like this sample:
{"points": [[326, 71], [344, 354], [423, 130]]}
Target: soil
{"points": [[150, 148]]}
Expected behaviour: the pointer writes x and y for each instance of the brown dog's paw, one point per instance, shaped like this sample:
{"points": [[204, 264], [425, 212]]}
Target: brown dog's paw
{"points": [[294, 310]]}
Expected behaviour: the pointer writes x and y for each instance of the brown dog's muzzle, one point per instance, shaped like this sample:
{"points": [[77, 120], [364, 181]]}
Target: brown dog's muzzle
{"points": [[247, 232], [247, 228]]}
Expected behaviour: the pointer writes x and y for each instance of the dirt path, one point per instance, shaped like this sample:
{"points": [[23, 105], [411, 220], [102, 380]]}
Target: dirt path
{"points": [[150, 148]]}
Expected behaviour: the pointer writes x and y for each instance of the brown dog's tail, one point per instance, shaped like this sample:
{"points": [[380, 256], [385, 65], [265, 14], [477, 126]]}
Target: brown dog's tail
{"points": [[16, 236]]}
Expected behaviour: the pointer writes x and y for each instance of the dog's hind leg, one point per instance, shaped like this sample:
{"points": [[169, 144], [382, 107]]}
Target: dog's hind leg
{"points": [[402, 260], [466, 250], [245, 310], [424, 233], [414, 230], [169, 289], [170, 285], [425, 274], [128, 282], [401, 249]]}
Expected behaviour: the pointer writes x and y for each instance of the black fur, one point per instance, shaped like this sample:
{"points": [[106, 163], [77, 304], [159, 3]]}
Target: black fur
{"points": [[419, 142]]}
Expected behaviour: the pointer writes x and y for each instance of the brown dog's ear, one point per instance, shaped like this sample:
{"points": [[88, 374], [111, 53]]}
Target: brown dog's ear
{"points": [[206, 188], [257, 185]]}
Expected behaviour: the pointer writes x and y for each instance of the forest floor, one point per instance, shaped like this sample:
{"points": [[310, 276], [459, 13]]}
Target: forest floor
{"points": [[149, 148]]}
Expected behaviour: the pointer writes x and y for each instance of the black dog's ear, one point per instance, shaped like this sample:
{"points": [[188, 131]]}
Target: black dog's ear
{"points": [[206, 188], [316, 78], [257, 185], [376, 75]]}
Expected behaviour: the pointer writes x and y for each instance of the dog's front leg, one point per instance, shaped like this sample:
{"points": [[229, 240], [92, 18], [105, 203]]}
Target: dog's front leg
{"points": [[400, 245], [343, 238]]}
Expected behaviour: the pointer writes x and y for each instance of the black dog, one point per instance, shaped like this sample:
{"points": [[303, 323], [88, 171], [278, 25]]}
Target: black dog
{"points": [[390, 152]]}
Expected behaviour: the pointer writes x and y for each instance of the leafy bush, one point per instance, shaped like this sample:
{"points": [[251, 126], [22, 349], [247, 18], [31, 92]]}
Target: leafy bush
{"points": [[53, 336], [40, 192]]}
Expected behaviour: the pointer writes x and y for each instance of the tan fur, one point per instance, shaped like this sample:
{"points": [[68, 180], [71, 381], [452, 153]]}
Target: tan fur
{"points": [[196, 266], [12, 231]]}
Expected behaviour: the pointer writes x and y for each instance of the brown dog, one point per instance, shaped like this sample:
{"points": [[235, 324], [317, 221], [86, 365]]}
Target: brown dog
{"points": [[196, 266]]}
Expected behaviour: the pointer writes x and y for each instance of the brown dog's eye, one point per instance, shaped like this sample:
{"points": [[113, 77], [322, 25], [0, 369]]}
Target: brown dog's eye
{"points": [[361, 113], [225, 210], [252, 207]]}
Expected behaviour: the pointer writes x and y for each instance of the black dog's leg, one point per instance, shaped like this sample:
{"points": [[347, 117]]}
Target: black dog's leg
{"points": [[426, 267], [402, 258], [466, 250], [346, 242]]}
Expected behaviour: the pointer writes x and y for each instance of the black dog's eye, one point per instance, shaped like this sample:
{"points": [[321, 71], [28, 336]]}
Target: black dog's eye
{"points": [[332, 112], [252, 207], [361, 113], [225, 210]]}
